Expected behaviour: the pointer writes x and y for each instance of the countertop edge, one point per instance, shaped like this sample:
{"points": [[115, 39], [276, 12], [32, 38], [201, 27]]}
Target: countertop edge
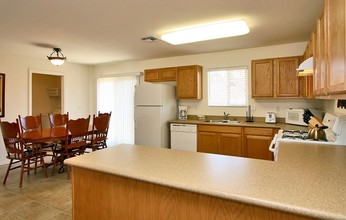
{"points": [[244, 199]]}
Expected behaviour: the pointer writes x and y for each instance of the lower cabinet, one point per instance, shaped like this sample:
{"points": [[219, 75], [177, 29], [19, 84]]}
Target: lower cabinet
{"points": [[257, 141], [236, 141], [219, 140]]}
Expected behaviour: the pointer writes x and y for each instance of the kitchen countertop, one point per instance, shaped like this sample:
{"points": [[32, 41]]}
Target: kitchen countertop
{"points": [[307, 179], [244, 124]]}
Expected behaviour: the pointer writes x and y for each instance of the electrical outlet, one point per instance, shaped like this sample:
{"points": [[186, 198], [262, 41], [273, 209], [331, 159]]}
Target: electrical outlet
{"points": [[253, 108]]}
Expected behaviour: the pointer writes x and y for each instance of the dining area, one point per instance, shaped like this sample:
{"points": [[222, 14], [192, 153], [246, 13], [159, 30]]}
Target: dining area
{"points": [[32, 149]]}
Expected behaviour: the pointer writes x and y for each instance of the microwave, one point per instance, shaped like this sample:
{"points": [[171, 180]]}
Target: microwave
{"points": [[294, 116]]}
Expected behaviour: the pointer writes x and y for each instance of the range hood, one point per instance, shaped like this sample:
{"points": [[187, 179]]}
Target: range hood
{"points": [[306, 68]]}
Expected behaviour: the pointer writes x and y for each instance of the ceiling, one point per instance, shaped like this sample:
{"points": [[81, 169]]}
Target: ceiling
{"points": [[102, 31]]}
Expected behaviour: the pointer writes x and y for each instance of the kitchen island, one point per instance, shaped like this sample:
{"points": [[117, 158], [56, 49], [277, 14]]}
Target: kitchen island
{"points": [[136, 182]]}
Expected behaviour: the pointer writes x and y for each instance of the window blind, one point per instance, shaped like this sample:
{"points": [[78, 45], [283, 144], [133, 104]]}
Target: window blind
{"points": [[228, 87], [116, 94]]}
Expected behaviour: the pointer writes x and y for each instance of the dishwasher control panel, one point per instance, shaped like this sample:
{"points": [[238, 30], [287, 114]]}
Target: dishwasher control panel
{"points": [[184, 127]]}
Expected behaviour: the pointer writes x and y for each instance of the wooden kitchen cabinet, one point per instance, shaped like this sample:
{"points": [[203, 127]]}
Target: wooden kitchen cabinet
{"points": [[329, 79], [285, 77], [306, 82], [226, 140], [275, 78], [262, 78], [320, 56], [160, 75], [189, 82], [335, 40], [256, 142]]}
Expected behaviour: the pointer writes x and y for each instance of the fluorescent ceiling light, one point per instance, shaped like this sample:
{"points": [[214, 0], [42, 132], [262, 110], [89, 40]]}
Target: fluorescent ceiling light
{"points": [[207, 32]]}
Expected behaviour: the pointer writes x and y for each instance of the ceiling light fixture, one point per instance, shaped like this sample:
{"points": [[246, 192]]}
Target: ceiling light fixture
{"points": [[207, 32], [57, 60]]}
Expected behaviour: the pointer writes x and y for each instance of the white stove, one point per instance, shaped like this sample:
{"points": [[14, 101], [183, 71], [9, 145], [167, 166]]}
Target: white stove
{"points": [[335, 133]]}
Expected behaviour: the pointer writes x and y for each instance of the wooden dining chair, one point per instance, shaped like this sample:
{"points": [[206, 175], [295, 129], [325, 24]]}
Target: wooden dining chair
{"points": [[30, 123], [58, 120], [98, 137], [74, 144], [55, 121], [20, 154]]}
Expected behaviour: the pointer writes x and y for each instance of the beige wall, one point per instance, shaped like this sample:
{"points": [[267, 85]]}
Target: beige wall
{"points": [[217, 60], [17, 68]]}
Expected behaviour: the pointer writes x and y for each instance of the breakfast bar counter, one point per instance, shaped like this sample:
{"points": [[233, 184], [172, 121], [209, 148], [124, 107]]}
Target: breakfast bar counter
{"points": [[131, 181]]}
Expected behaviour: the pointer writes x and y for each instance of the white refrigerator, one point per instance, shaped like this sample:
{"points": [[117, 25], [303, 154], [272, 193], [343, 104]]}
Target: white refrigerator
{"points": [[155, 105]]}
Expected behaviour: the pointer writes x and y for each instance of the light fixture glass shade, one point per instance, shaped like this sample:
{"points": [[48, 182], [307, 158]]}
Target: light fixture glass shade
{"points": [[207, 32], [306, 68], [58, 59]]}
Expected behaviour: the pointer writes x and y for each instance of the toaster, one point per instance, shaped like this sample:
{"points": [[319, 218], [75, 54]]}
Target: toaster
{"points": [[270, 117]]}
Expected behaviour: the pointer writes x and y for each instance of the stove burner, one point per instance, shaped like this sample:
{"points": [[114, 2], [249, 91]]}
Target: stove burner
{"points": [[294, 132], [292, 136]]}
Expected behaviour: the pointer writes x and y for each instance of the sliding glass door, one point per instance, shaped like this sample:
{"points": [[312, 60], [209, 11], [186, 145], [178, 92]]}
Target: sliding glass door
{"points": [[116, 94]]}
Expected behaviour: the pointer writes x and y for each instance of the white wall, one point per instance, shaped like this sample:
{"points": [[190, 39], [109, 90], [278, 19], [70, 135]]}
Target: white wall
{"points": [[217, 60], [16, 68]]}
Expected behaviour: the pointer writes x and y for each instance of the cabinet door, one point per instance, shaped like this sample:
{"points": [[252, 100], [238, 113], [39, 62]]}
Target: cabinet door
{"points": [[257, 147], [168, 74], [230, 144], [262, 78], [286, 78], [336, 76], [151, 75], [189, 82], [306, 86], [320, 57], [207, 142]]}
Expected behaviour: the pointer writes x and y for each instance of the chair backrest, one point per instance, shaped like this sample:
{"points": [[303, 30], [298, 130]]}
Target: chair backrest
{"points": [[58, 120], [77, 132], [104, 114], [30, 123], [101, 124], [11, 135]]}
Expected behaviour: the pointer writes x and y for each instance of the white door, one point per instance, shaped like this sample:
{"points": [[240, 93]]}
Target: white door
{"points": [[148, 124]]}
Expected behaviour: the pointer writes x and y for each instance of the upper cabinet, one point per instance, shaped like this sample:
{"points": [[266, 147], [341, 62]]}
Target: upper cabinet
{"points": [[160, 75], [189, 82], [335, 25], [275, 78], [188, 79], [329, 51], [285, 77], [262, 77]]}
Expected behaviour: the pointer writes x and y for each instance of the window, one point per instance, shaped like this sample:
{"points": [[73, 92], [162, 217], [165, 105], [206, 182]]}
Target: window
{"points": [[228, 87], [116, 94]]}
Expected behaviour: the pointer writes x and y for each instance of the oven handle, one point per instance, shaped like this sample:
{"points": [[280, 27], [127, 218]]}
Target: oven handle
{"points": [[272, 144]]}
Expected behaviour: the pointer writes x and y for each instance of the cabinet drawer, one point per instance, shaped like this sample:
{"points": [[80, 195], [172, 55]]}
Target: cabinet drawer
{"points": [[259, 131], [222, 129]]}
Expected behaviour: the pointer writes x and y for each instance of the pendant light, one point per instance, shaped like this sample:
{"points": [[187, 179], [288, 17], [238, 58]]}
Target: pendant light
{"points": [[57, 58]]}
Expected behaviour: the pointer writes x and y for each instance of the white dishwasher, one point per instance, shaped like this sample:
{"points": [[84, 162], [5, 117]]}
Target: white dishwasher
{"points": [[184, 137]]}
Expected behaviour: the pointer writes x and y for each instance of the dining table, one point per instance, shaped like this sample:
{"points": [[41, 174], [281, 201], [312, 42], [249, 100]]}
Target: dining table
{"points": [[44, 135], [47, 136]]}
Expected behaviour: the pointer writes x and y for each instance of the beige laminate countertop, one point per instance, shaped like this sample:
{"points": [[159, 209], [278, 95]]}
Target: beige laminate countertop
{"points": [[244, 124], [308, 179]]}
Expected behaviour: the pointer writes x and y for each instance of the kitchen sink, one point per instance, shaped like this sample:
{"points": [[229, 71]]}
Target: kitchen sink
{"points": [[218, 121]]}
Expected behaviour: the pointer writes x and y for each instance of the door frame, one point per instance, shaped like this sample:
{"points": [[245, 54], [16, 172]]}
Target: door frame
{"points": [[46, 72]]}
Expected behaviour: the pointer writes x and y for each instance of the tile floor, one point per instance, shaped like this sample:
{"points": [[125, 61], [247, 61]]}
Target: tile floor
{"points": [[38, 198]]}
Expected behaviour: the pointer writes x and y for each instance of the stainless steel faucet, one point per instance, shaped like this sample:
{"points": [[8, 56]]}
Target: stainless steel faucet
{"points": [[225, 116]]}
